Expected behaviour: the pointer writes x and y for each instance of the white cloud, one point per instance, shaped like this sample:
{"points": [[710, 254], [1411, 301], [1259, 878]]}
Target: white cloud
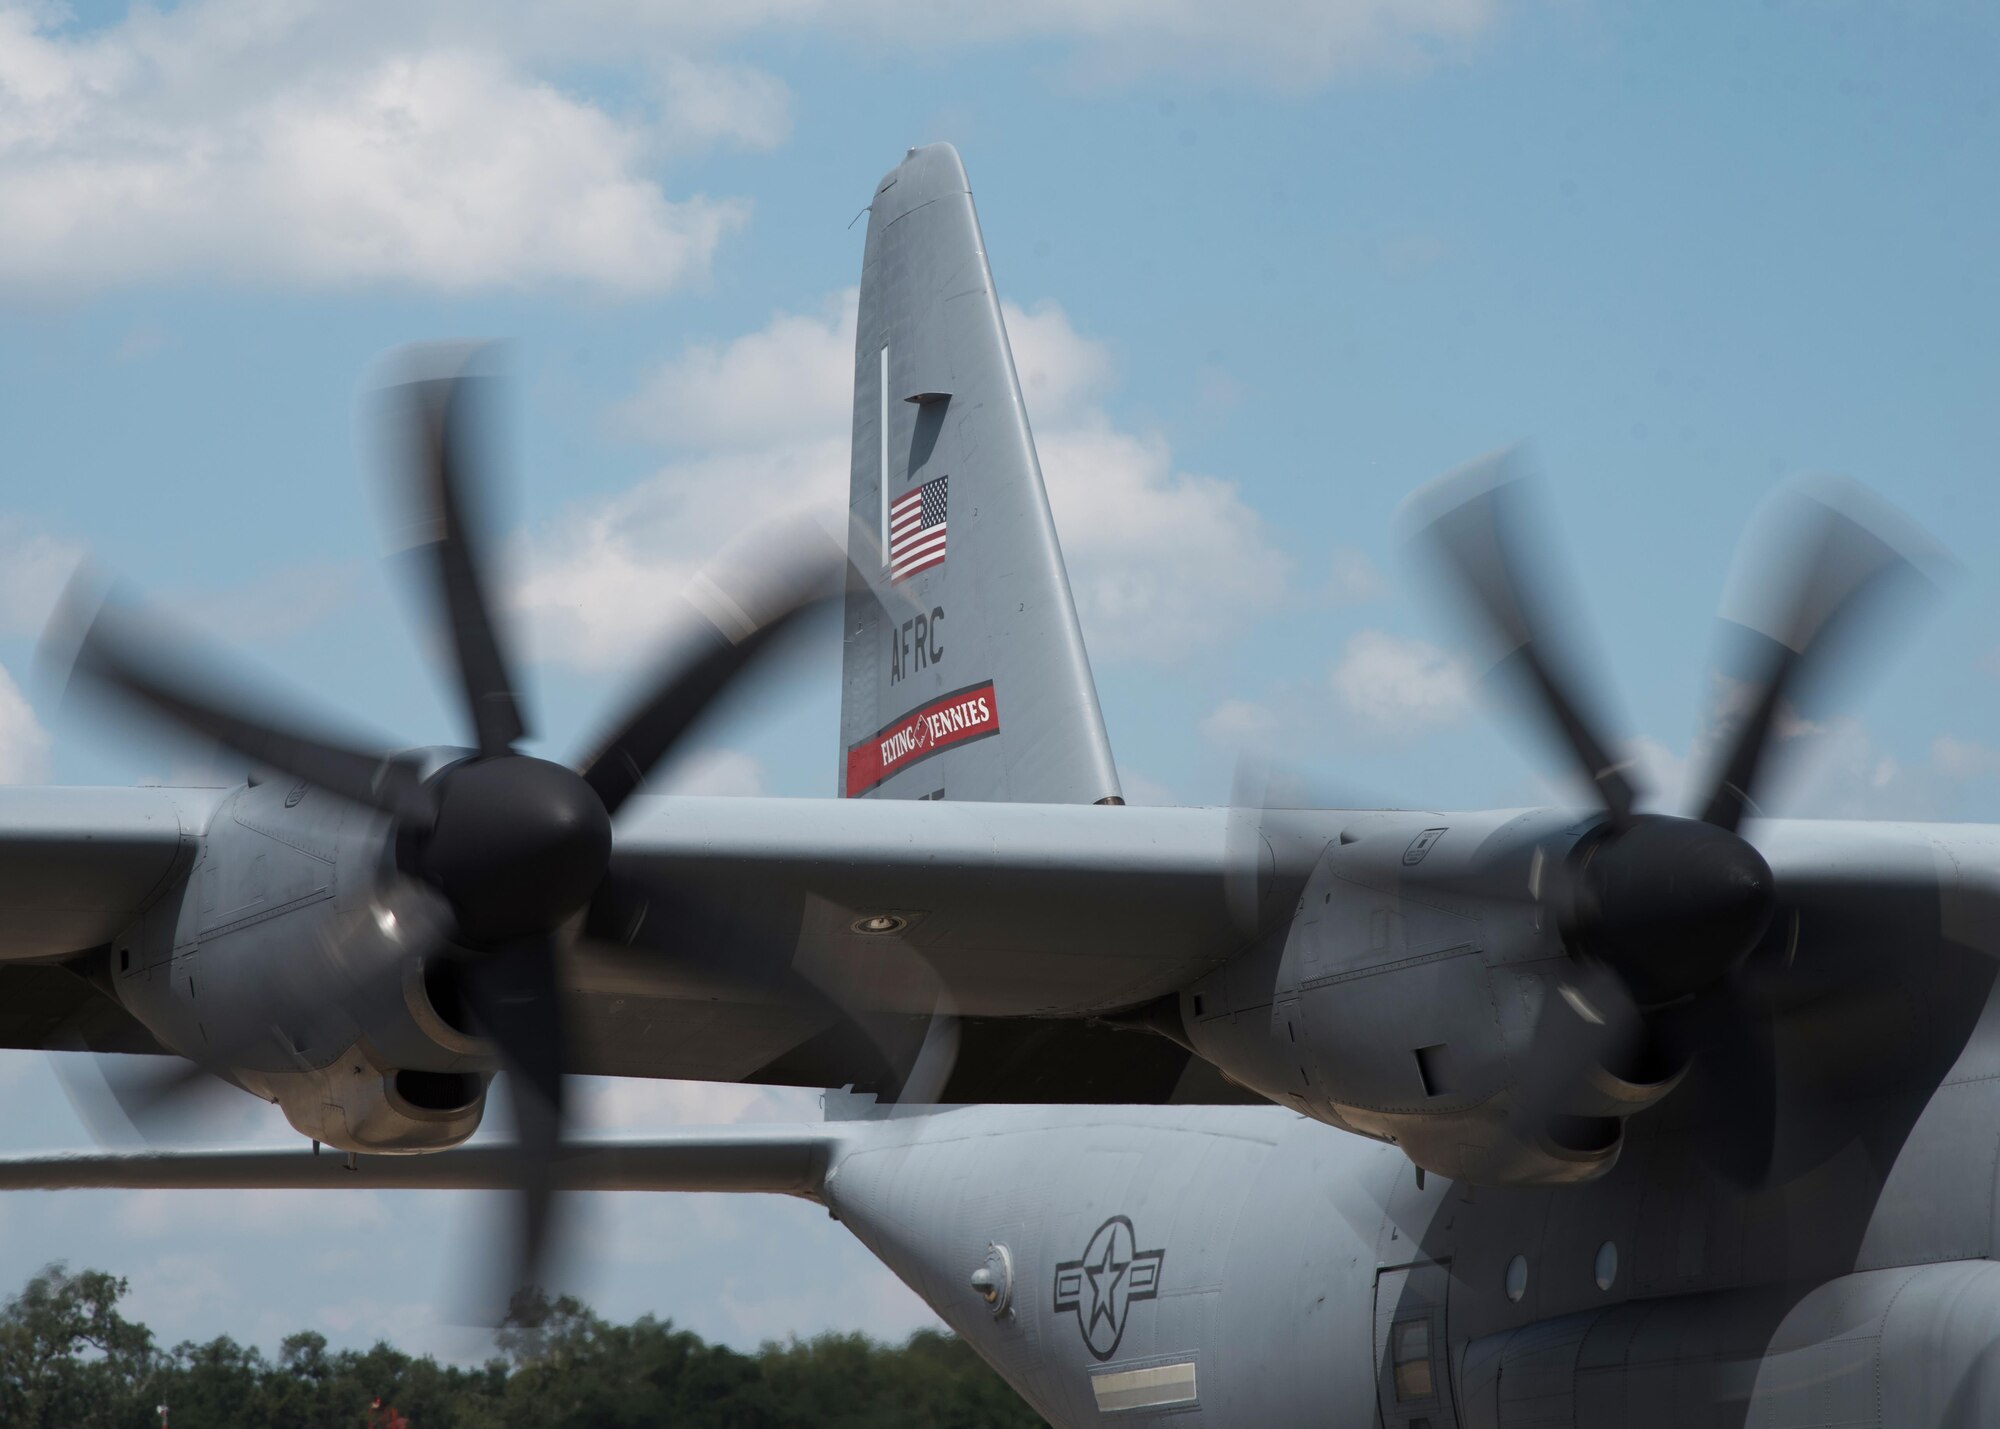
{"points": [[1964, 758], [151, 1213], [319, 143], [1287, 45], [1830, 769], [34, 568], [791, 380], [1062, 372], [1382, 685], [414, 1326], [277, 603], [889, 1308], [316, 144], [1398, 683], [1161, 561], [1353, 579], [24, 744], [179, 1285], [612, 1104], [606, 578], [1667, 777], [1240, 724], [707, 104], [1284, 44], [1838, 770], [714, 771]]}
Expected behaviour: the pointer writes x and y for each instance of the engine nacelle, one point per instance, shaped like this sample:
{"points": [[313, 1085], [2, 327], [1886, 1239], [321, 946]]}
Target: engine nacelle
{"points": [[355, 1105], [1401, 999], [275, 959]]}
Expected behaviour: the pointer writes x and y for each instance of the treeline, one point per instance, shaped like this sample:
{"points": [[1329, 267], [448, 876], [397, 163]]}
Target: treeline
{"points": [[69, 1359]]}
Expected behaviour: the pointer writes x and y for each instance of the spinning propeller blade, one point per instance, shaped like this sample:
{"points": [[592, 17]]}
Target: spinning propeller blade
{"points": [[146, 664], [1658, 913], [754, 594], [496, 853], [438, 422], [1475, 525], [514, 1000], [1845, 556]]}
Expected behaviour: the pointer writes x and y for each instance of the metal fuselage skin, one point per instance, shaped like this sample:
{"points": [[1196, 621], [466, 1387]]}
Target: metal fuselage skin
{"points": [[1235, 1265], [1249, 1266], [1277, 1271]]}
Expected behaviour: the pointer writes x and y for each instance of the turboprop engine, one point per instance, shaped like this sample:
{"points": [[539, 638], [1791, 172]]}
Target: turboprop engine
{"points": [[1404, 998], [1497, 993], [280, 965], [352, 919]]}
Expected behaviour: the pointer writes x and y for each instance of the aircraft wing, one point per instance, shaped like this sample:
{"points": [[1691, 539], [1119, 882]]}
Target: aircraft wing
{"points": [[786, 1160], [1019, 910], [1008, 911], [76, 866], [1023, 921]]}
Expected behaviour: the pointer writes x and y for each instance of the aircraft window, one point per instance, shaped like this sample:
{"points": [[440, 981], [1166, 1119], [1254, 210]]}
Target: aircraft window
{"points": [[1410, 1358], [1606, 1267], [1517, 1278]]}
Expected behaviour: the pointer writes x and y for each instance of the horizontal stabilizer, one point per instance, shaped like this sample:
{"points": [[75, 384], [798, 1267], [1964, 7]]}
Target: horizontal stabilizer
{"points": [[782, 1160]]}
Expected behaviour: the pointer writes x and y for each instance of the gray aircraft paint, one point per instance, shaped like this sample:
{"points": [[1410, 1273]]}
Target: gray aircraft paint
{"points": [[78, 865], [1859, 1294], [985, 642], [1270, 1265]]}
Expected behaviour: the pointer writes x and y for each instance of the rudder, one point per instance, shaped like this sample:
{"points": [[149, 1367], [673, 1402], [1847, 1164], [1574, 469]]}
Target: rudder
{"points": [[963, 671]]}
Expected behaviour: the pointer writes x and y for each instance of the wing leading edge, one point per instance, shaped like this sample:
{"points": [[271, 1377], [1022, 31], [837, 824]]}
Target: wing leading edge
{"points": [[77, 865], [781, 1160], [1018, 910]]}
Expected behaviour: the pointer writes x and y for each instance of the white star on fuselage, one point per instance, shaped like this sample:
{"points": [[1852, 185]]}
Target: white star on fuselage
{"points": [[1103, 1298]]}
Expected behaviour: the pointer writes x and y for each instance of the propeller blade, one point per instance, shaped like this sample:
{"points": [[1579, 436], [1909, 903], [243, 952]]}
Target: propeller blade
{"points": [[151, 1101], [513, 997], [1274, 836], [1849, 553], [882, 1021], [1474, 524], [738, 608], [1735, 1076], [937, 1056], [442, 527], [144, 662], [1588, 1020]]}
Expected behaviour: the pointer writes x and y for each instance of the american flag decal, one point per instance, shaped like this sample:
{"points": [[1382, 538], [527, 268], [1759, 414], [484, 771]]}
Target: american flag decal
{"points": [[916, 530]]}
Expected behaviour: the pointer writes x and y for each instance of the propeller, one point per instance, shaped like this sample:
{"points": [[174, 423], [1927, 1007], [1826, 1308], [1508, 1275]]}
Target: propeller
{"points": [[1659, 912], [512, 846], [877, 1016], [135, 1101]]}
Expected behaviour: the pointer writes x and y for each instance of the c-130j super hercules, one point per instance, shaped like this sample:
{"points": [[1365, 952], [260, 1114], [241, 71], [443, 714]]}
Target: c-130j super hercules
{"points": [[1244, 1117]]}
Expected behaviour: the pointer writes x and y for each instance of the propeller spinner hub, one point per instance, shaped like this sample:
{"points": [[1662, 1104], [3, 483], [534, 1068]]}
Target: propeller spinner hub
{"points": [[1672, 904], [518, 845]]}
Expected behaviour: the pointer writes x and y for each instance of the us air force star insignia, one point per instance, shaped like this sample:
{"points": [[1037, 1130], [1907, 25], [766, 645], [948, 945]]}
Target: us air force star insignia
{"points": [[1101, 1287]]}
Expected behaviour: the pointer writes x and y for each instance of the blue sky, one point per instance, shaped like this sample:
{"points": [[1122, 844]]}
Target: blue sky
{"points": [[1267, 275]]}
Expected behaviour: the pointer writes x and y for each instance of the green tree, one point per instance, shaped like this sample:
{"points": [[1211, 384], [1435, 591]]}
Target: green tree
{"points": [[67, 1357]]}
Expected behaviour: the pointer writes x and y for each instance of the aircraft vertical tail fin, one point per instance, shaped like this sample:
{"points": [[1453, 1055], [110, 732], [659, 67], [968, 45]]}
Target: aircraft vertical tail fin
{"points": [[964, 674]]}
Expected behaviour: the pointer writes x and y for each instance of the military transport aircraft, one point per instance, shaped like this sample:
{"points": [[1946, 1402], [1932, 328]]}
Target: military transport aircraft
{"points": [[1554, 1116]]}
